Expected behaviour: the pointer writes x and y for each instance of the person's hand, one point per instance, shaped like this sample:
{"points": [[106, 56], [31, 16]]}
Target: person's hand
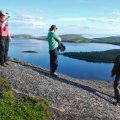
{"points": [[59, 38], [10, 39], [8, 18]]}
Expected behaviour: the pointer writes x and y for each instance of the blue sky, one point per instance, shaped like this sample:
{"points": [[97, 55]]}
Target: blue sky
{"points": [[86, 17]]}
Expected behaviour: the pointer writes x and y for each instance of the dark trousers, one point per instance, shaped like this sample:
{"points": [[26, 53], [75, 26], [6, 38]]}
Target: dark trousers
{"points": [[4, 46], [53, 59], [116, 87]]}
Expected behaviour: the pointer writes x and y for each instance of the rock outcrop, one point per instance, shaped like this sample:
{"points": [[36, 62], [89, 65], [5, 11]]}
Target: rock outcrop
{"points": [[71, 99]]}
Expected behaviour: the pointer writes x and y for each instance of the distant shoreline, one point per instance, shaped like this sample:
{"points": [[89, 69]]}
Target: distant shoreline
{"points": [[74, 38]]}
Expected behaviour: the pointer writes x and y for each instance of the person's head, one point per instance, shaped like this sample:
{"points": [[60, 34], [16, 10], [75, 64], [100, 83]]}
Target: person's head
{"points": [[3, 14], [53, 28]]}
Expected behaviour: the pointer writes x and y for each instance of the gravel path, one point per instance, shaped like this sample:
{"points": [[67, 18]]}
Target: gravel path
{"points": [[71, 99]]}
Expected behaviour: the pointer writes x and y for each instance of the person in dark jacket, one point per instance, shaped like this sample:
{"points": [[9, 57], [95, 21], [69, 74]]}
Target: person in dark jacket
{"points": [[116, 73], [53, 40], [4, 38]]}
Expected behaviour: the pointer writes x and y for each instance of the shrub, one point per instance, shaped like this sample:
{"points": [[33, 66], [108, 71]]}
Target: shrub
{"points": [[31, 108]]}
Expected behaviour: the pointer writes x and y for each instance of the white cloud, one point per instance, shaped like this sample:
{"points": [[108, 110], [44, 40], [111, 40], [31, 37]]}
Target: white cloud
{"points": [[72, 19], [103, 20], [28, 21], [116, 13], [90, 29]]}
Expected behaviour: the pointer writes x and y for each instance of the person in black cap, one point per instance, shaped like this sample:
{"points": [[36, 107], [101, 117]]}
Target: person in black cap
{"points": [[53, 40], [116, 72], [4, 38]]}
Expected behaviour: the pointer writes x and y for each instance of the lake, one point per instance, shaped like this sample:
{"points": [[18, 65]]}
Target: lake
{"points": [[69, 66]]}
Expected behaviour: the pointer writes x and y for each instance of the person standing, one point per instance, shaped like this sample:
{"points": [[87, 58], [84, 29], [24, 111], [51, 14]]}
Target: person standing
{"points": [[4, 38], [116, 72], [53, 40]]}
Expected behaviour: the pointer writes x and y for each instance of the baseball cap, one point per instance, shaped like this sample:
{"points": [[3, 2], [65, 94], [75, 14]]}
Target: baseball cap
{"points": [[3, 13], [53, 27]]}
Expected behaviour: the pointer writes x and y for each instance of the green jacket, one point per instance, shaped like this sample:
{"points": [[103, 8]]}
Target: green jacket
{"points": [[52, 40]]}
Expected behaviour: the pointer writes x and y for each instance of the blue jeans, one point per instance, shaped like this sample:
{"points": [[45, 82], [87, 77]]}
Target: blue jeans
{"points": [[116, 87]]}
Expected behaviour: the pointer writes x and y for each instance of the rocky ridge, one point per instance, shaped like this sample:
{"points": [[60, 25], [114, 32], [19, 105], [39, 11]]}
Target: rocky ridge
{"points": [[70, 98]]}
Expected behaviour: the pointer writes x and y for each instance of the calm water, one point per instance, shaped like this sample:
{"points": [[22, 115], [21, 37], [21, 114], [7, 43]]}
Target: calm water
{"points": [[72, 67]]}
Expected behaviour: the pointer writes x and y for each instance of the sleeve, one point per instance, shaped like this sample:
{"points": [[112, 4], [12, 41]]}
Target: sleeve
{"points": [[0, 24], [56, 37], [1, 29]]}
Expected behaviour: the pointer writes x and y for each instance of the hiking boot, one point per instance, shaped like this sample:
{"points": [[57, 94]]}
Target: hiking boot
{"points": [[53, 74], [116, 103]]}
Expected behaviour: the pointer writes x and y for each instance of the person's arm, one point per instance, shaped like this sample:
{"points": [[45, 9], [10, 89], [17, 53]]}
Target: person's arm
{"points": [[9, 37], [115, 67], [3, 24], [57, 37]]}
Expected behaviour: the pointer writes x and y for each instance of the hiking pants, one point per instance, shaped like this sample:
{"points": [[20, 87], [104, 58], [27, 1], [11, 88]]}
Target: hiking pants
{"points": [[117, 87], [4, 46], [53, 59]]}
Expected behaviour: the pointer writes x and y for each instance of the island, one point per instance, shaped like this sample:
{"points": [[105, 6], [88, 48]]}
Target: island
{"points": [[65, 38], [29, 51], [115, 40], [76, 38], [102, 56]]}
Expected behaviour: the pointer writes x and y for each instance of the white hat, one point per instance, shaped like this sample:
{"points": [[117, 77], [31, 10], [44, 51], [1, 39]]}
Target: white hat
{"points": [[3, 12]]}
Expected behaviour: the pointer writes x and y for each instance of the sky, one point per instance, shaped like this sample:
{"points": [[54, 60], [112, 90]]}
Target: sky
{"points": [[85, 17]]}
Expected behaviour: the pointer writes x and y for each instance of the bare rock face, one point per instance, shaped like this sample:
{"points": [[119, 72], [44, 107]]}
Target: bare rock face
{"points": [[71, 99]]}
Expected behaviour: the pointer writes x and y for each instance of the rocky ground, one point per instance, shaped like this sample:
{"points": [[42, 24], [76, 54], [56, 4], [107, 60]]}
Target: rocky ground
{"points": [[71, 99]]}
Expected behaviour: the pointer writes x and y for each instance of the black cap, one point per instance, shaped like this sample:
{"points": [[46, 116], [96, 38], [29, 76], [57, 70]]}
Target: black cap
{"points": [[53, 27]]}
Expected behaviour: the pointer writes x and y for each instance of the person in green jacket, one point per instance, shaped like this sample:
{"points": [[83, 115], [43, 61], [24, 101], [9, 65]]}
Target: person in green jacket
{"points": [[53, 40]]}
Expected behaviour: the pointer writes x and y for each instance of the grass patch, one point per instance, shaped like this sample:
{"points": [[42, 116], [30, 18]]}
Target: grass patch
{"points": [[22, 108]]}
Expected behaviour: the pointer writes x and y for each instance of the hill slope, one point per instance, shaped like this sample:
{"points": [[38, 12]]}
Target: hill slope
{"points": [[74, 38], [111, 40], [76, 99], [65, 38]]}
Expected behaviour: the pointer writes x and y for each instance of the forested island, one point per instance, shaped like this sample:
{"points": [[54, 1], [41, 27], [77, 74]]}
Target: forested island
{"points": [[104, 57], [109, 40]]}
